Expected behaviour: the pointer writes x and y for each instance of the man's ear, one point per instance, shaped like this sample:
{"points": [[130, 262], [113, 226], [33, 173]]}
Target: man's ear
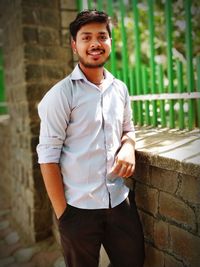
{"points": [[73, 44]]}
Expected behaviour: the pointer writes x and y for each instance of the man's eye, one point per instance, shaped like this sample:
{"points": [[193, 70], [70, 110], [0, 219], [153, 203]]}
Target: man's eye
{"points": [[103, 38], [86, 38]]}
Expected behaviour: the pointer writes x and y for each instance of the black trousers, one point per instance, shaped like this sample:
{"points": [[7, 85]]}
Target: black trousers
{"points": [[119, 229]]}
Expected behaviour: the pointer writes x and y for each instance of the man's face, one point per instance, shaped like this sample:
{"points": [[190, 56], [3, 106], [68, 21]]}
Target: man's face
{"points": [[92, 45]]}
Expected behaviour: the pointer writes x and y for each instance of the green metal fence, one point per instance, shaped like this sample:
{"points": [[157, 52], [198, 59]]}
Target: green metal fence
{"points": [[163, 94]]}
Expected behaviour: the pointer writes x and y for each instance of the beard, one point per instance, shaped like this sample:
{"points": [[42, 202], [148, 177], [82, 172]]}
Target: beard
{"points": [[92, 65]]}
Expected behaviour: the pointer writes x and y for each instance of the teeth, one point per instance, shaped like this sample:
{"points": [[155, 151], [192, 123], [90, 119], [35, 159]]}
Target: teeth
{"points": [[95, 53]]}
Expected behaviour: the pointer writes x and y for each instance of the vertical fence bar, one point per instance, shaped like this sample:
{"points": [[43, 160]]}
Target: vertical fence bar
{"points": [[119, 75], [100, 5], [112, 56], [146, 91], [131, 79], [152, 58], [161, 91], [133, 92], [89, 4], [198, 89], [137, 59], [180, 90], [79, 4], [124, 44], [189, 56], [168, 15]]}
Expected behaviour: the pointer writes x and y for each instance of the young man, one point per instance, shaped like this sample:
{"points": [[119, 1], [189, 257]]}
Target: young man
{"points": [[87, 150]]}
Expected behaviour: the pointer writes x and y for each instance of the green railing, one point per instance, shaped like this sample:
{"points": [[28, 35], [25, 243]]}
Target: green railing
{"points": [[164, 94], [3, 109]]}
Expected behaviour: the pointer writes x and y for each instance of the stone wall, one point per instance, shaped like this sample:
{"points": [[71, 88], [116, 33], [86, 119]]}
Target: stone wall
{"points": [[5, 166], [18, 110], [168, 196], [35, 59]]}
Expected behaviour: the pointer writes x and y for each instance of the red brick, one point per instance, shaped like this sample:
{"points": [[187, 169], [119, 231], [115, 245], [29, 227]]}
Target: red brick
{"points": [[185, 246], [174, 209]]}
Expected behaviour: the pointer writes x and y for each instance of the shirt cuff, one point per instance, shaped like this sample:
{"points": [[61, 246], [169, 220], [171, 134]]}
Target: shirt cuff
{"points": [[48, 154]]}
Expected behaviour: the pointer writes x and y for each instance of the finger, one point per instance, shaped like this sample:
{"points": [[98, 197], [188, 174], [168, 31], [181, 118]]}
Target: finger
{"points": [[128, 172], [123, 169], [116, 168], [132, 169]]}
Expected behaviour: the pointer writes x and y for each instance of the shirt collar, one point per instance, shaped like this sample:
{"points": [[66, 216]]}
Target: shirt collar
{"points": [[77, 74]]}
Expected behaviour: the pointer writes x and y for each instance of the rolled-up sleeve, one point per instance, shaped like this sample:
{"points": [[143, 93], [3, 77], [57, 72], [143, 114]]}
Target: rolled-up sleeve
{"points": [[54, 112], [128, 125]]}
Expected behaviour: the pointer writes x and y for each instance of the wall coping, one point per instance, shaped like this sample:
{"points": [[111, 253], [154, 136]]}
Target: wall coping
{"points": [[174, 150]]}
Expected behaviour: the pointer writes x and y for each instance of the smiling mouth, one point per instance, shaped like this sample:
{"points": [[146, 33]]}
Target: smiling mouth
{"points": [[95, 52]]}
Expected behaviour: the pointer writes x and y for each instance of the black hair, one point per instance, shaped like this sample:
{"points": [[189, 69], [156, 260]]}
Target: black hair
{"points": [[86, 17]]}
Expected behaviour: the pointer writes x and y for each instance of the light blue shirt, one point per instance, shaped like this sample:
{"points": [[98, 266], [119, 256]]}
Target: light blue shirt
{"points": [[81, 129]]}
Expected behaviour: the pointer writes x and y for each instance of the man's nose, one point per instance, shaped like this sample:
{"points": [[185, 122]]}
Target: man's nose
{"points": [[95, 43]]}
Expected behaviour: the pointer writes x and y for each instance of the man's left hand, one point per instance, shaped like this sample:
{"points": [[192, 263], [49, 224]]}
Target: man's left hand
{"points": [[124, 165]]}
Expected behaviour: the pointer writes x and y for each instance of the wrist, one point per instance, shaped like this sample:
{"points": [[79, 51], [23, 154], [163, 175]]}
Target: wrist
{"points": [[128, 140], [59, 210]]}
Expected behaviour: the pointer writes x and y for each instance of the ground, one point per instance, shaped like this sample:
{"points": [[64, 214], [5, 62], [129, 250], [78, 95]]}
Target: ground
{"points": [[14, 252]]}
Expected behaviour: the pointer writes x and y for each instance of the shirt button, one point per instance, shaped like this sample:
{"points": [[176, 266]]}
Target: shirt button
{"points": [[109, 146]]}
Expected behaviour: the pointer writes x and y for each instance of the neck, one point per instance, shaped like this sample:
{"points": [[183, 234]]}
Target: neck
{"points": [[94, 75]]}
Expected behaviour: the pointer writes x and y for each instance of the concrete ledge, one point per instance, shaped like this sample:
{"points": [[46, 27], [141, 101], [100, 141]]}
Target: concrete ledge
{"points": [[169, 149]]}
